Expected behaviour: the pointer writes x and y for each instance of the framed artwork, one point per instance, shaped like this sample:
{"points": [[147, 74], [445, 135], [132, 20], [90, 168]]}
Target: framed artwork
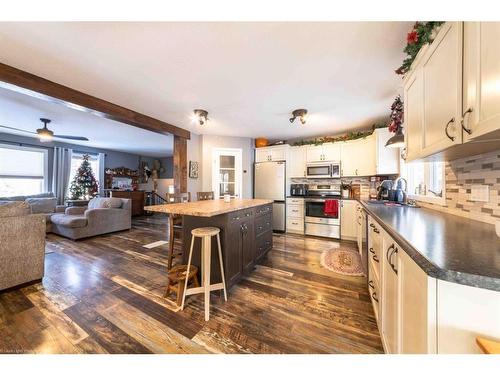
{"points": [[193, 169]]}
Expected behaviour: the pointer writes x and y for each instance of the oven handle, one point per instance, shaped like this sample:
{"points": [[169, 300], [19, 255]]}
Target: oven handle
{"points": [[320, 200]]}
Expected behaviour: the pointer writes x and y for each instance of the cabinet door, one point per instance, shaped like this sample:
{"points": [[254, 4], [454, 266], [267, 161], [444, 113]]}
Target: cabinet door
{"points": [[481, 78], [348, 219], [417, 303], [414, 114], [314, 154], [442, 72], [262, 154], [233, 260], [297, 162], [387, 158], [331, 152], [277, 153], [390, 313], [248, 245], [358, 157]]}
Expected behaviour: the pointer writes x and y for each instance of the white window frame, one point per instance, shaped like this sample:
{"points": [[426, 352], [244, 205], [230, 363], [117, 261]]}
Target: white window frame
{"points": [[238, 172], [45, 153], [407, 174]]}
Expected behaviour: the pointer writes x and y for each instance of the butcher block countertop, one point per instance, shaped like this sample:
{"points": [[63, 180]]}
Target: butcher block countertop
{"points": [[207, 208]]}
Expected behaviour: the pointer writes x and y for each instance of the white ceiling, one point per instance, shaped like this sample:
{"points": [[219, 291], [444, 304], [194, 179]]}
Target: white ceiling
{"points": [[23, 112], [249, 76]]}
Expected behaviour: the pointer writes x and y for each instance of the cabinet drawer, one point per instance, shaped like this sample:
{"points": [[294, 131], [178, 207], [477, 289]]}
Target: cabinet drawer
{"points": [[240, 215], [375, 255], [295, 211], [295, 225], [374, 291], [299, 201], [263, 243], [262, 210], [263, 224]]}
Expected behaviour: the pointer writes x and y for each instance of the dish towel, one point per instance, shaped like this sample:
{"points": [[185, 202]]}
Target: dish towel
{"points": [[331, 207]]}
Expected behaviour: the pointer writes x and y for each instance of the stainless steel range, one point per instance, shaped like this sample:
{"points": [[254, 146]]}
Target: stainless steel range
{"points": [[320, 220]]}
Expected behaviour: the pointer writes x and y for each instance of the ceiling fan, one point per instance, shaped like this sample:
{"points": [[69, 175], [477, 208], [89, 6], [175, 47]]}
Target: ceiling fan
{"points": [[45, 134]]}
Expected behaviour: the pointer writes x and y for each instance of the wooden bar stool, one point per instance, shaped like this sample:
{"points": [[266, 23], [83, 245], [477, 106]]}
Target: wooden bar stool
{"points": [[176, 280], [205, 234]]}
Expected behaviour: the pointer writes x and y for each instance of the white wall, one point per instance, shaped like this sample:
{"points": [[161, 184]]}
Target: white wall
{"points": [[200, 148]]}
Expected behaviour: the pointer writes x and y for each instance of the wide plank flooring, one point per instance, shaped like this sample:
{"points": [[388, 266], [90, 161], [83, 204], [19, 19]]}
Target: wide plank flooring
{"points": [[104, 295]]}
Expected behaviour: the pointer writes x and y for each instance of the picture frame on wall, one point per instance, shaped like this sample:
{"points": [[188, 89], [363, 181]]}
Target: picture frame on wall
{"points": [[193, 169]]}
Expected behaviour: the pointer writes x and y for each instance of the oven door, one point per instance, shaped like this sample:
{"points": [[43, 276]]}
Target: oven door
{"points": [[319, 171], [315, 213]]}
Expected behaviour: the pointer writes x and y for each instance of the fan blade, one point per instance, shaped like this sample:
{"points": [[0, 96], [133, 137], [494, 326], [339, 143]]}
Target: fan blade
{"points": [[19, 130], [75, 138]]}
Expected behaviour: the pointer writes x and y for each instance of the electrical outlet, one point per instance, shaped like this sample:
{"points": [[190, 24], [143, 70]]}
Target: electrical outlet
{"points": [[480, 193]]}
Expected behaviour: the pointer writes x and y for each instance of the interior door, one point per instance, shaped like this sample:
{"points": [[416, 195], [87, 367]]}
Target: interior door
{"points": [[481, 78], [227, 172], [442, 72]]}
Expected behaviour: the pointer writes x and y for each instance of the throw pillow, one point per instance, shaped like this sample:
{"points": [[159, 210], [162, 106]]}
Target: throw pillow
{"points": [[42, 205]]}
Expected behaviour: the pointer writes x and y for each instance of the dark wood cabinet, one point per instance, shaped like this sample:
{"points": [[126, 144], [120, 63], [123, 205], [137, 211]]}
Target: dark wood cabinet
{"points": [[136, 196], [246, 236]]}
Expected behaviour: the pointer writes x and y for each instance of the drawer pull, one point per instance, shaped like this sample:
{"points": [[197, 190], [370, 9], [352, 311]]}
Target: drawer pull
{"points": [[371, 250], [446, 129], [371, 285], [468, 131], [375, 258], [374, 296]]}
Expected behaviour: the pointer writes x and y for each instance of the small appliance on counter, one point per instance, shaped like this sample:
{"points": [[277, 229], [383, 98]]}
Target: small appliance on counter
{"points": [[375, 182], [298, 190], [385, 191]]}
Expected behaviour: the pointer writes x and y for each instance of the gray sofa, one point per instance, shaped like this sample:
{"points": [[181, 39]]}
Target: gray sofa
{"points": [[45, 203], [102, 215], [22, 244]]}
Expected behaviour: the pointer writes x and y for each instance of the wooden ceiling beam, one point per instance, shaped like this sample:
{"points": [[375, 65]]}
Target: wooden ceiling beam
{"points": [[20, 81]]}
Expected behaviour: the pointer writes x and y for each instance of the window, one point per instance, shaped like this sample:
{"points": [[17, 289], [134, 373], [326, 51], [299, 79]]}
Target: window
{"points": [[23, 170], [425, 180], [76, 161]]}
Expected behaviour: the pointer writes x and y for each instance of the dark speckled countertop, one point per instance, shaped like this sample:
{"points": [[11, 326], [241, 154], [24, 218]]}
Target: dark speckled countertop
{"points": [[445, 246]]}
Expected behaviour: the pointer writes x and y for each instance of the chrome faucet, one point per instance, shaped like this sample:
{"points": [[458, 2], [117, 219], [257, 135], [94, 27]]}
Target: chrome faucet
{"points": [[397, 187]]}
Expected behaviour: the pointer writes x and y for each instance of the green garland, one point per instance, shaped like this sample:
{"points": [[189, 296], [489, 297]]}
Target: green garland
{"points": [[421, 34], [342, 138]]}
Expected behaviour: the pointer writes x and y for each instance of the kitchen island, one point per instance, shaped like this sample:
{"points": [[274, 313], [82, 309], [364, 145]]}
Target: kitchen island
{"points": [[246, 232]]}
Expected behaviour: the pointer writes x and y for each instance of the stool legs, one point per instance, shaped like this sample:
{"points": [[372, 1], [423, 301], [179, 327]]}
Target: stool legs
{"points": [[206, 254], [187, 272], [221, 267]]}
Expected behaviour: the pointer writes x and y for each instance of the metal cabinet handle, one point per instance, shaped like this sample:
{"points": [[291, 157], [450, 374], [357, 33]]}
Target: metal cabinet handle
{"points": [[468, 131], [371, 285], [446, 128], [388, 251], [371, 250], [248, 214], [374, 296], [395, 251], [375, 258], [356, 171]]}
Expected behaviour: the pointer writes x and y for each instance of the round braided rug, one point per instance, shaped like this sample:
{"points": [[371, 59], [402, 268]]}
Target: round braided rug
{"points": [[342, 261]]}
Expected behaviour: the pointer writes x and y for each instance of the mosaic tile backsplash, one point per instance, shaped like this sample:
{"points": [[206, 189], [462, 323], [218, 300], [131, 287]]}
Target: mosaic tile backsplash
{"points": [[460, 176]]}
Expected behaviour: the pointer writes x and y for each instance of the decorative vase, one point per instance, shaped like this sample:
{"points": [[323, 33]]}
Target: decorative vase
{"points": [[261, 142]]}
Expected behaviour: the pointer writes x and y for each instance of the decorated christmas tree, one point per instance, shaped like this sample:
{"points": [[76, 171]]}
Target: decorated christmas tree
{"points": [[84, 184]]}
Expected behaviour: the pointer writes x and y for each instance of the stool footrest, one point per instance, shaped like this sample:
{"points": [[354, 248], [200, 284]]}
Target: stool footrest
{"points": [[201, 289]]}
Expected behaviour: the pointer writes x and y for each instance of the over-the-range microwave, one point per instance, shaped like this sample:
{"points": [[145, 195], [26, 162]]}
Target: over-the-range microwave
{"points": [[323, 170]]}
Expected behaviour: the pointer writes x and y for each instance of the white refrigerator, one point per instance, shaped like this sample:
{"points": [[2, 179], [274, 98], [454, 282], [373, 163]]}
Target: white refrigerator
{"points": [[270, 184]]}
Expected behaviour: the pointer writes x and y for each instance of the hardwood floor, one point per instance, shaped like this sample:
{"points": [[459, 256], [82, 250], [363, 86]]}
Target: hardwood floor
{"points": [[104, 295]]}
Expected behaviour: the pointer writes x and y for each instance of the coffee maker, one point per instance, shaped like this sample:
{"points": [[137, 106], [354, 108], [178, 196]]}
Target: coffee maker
{"points": [[385, 191]]}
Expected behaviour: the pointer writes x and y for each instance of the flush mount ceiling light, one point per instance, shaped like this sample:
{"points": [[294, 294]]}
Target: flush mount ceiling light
{"points": [[301, 114], [201, 116], [397, 140]]}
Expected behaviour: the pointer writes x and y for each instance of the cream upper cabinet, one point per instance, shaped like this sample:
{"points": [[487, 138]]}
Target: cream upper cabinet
{"points": [[386, 158], [481, 104], [297, 162], [324, 152], [272, 153], [358, 157], [414, 113], [348, 220], [442, 78]]}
